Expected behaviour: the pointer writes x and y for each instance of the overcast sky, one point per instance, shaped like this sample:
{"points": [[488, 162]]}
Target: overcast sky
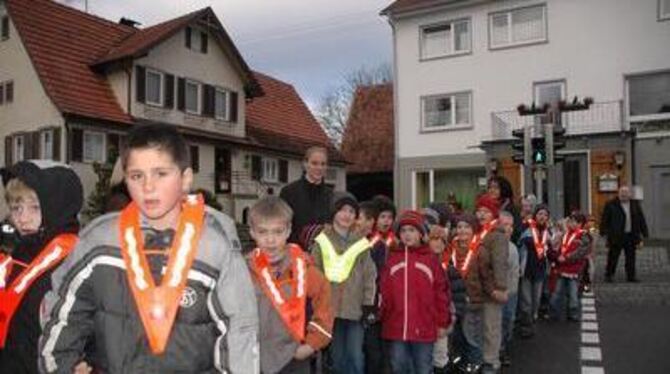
{"points": [[309, 43]]}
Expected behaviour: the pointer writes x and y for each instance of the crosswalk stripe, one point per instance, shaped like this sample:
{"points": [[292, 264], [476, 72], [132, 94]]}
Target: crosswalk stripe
{"points": [[591, 354], [590, 338], [589, 326], [592, 370]]}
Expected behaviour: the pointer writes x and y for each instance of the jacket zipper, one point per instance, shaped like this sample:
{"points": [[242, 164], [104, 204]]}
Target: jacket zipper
{"points": [[405, 317]]}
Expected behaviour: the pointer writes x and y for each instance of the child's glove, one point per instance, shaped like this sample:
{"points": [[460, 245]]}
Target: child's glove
{"points": [[369, 315]]}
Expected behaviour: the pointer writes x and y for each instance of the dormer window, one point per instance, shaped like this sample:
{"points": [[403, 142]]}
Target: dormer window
{"points": [[195, 39], [4, 22]]}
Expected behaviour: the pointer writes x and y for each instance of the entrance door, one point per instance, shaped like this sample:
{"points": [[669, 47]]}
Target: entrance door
{"points": [[568, 187], [660, 227]]}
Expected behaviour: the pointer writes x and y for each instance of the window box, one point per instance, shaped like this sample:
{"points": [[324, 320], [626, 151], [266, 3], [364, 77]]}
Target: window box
{"points": [[451, 38], [446, 111], [518, 27]]}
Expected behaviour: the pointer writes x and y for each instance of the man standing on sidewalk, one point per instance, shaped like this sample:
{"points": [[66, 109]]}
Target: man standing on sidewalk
{"points": [[623, 225]]}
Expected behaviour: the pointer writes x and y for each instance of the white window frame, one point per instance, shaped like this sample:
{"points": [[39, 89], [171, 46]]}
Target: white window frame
{"points": [[642, 117], [663, 10], [536, 91], [510, 38], [226, 103], [161, 87], [452, 24], [198, 98], [103, 151], [18, 147], [46, 150], [270, 169], [453, 125]]}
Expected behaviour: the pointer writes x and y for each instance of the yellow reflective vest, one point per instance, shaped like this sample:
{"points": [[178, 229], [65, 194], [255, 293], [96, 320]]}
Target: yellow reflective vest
{"points": [[337, 267]]}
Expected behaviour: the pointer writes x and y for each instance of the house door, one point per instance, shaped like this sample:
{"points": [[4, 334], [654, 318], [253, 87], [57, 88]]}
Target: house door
{"points": [[568, 187], [660, 227], [222, 170]]}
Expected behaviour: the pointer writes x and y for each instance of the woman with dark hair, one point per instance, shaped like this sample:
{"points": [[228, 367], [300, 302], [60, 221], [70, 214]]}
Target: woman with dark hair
{"points": [[501, 189]]}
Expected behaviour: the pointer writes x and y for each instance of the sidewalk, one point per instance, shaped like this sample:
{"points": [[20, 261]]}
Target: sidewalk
{"points": [[653, 270]]}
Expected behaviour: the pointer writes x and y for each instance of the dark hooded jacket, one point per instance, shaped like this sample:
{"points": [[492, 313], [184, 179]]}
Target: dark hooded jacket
{"points": [[60, 194], [311, 204]]}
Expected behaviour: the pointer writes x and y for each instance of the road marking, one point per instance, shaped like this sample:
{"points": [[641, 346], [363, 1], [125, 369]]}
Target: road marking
{"points": [[590, 338], [588, 301], [591, 354], [589, 326], [589, 317], [589, 308], [592, 370]]}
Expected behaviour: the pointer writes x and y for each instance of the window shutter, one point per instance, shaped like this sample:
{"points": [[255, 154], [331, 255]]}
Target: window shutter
{"points": [[208, 101], [76, 144], [27, 146], [203, 42], [35, 149], [140, 84], [9, 92], [256, 171], [168, 99], [5, 27], [181, 91], [113, 147], [233, 106], [187, 37], [8, 151], [56, 144], [195, 158], [283, 171]]}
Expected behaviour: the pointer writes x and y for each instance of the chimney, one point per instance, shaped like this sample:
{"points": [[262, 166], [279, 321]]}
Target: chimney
{"points": [[128, 22]]}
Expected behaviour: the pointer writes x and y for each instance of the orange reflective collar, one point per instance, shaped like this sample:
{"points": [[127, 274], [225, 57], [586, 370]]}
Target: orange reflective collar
{"points": [[473, 248], [11, 295], [291, 309], [540, 245], [568, 238], [157, 306]]}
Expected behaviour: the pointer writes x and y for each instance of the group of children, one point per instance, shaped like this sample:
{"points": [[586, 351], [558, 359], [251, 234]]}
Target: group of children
{"points": [[163, 285]]}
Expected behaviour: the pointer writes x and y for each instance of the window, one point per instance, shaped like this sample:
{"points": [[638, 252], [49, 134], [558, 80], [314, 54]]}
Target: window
{"points": [[154, 87], [548, 92], [47, 144], [460, 186], [18, 148], [94, 146], [221, 104], [192, 97], [270, 170], [4, 20], [649, 95], [6, 92], [518, 26], [446, 39], [446, 111], [196, 40], [664, 10]]}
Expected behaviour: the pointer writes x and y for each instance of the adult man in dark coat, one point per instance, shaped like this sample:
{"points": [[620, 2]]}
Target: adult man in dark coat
{"points": [[623, 225]]}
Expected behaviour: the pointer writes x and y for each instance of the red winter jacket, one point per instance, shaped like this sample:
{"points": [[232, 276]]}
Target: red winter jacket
{"points": [[575, 249], [414, 296]]}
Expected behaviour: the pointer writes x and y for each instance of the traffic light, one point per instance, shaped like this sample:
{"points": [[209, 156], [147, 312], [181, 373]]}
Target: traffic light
{"points": [[521, 146], [555, 141], [539, 151]]}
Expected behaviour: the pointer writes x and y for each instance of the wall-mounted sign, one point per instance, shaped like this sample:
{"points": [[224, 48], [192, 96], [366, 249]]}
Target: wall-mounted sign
{"points": [[608, 183]]}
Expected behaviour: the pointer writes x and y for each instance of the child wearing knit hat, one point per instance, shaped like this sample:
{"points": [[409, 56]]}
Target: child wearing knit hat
{"points": [[414, 303]]}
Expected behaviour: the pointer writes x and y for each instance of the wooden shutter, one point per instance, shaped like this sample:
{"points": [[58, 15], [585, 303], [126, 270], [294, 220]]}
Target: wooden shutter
{"points": [[187, 37], [76, 144], [34, 152], [256, 168], [140, 84], [27, 146], [113, 147], [203, 42], [9, 92], [56, 144], [209, 94], [181, 92], [8, 150], [283, 171], [195, 158], [233, 106], [168, 99]]}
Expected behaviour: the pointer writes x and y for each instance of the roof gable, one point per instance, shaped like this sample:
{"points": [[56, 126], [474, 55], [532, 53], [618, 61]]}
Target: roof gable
{"points": [[368, 142]]}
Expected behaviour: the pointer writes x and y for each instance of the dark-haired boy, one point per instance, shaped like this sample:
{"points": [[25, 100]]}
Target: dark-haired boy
{"points": [[162, 285]]}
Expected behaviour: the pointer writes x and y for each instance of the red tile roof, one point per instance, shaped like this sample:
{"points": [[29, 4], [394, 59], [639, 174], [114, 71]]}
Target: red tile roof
{"points": [[281, 120], [61, 43], [368, 139]]}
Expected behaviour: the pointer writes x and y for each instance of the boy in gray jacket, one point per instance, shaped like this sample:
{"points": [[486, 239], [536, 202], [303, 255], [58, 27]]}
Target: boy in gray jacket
{"points": [[161, 287]]}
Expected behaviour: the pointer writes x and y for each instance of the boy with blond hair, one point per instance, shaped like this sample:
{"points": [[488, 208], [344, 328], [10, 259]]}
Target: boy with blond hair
{"points": [[287, 287], [162, 286]]}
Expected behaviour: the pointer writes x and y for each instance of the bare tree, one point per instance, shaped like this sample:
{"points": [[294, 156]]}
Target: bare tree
{"points": [[334, 106]]}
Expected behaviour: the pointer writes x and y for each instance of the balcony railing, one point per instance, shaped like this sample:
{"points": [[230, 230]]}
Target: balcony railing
{"points": [[601, 117]]}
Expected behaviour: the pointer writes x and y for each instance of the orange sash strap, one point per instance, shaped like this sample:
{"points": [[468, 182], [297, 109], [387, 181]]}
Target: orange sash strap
{"points": [[291, 309], [473, 248], [157, 306], [568, 238], [11, 295], [540, 245]]}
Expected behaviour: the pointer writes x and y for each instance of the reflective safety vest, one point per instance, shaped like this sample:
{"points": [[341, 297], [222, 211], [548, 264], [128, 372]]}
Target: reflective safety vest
{"points": [[12, 294], [337, 267]]}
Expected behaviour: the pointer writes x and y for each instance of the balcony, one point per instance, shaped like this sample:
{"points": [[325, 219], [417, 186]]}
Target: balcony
{"points": [[601, 117]]}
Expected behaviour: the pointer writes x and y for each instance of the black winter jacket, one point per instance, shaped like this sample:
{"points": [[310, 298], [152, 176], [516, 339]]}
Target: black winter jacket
{"points": [[310, 203], [613, 222], [60, 193]]}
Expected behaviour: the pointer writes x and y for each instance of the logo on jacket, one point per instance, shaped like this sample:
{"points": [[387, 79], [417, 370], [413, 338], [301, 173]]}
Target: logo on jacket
{"points": [[188, 298]]}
